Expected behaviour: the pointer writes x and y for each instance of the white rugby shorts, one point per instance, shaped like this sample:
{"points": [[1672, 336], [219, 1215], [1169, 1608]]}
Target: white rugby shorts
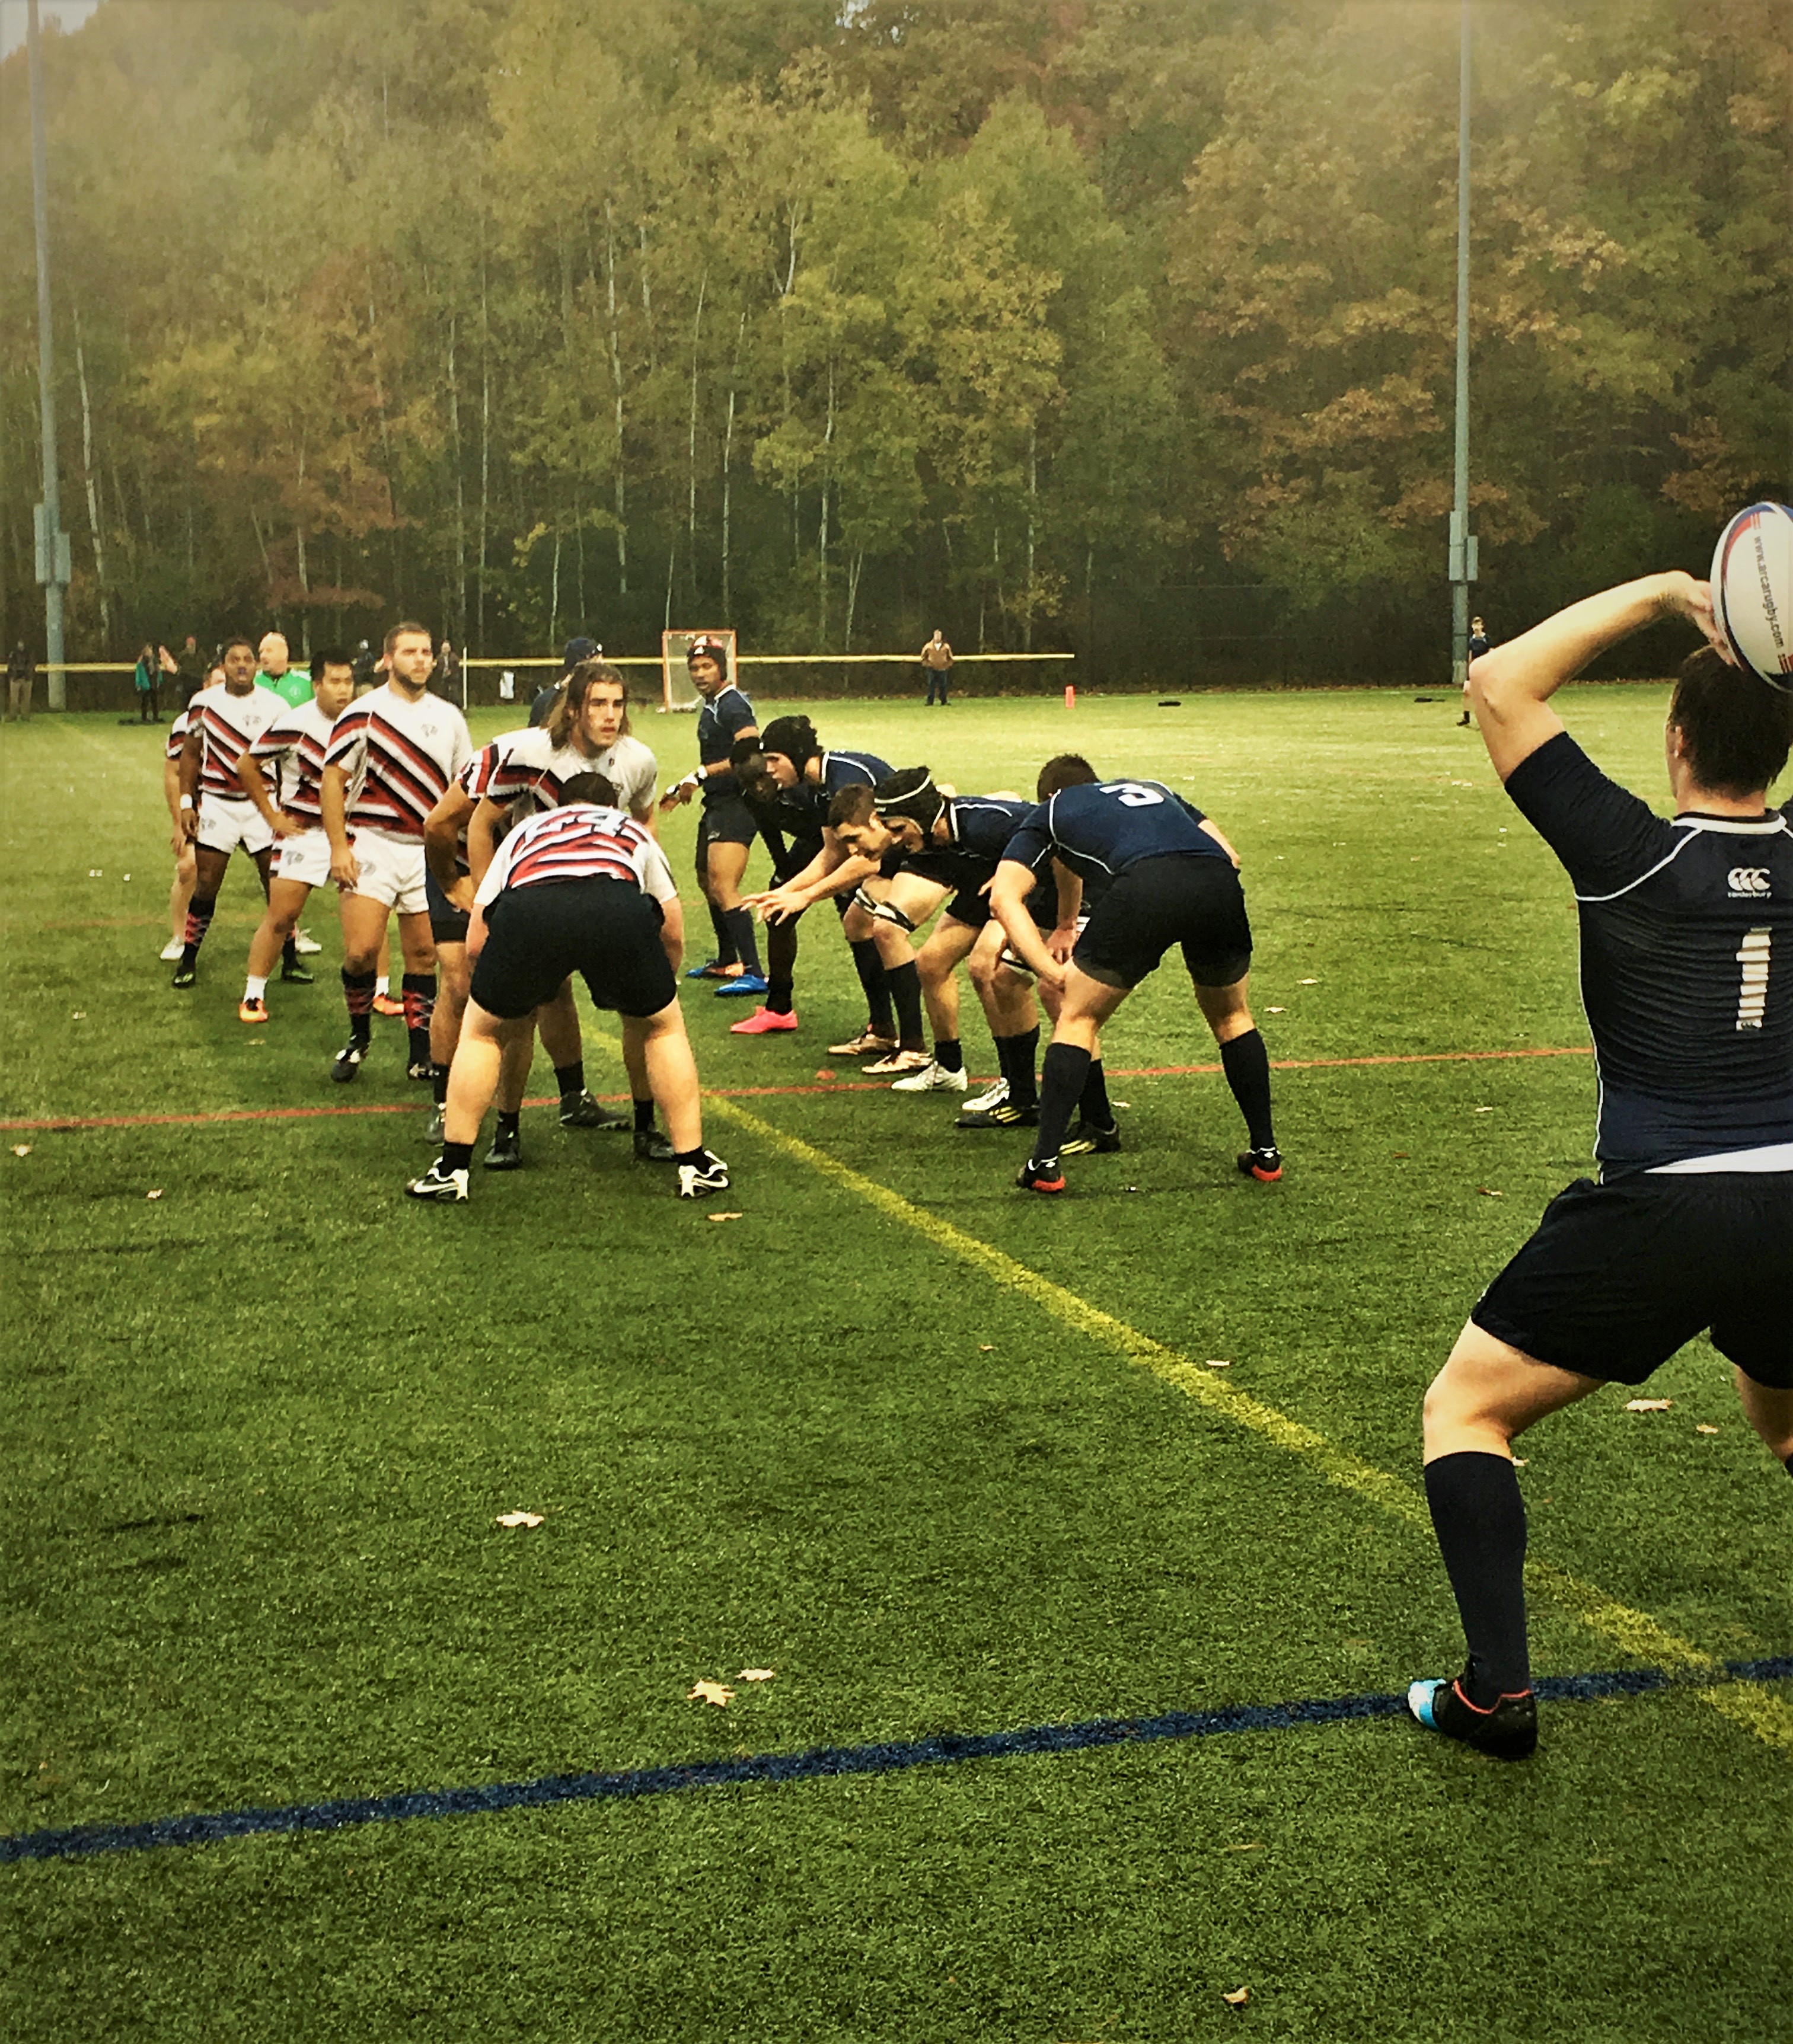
{"points": [[228, 826], [391, 872], [306, 858]]}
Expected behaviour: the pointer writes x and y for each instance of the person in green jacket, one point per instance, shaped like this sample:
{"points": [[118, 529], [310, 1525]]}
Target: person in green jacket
{"points": [[291, 684]]}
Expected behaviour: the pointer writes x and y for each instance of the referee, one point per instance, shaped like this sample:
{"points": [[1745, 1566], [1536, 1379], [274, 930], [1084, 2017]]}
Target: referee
{"points": [[1687, 940]]}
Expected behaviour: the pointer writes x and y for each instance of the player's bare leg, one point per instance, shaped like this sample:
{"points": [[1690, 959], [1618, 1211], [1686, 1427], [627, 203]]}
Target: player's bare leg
{"points": [[725, 867], [180, 893], [273, 941], [860, 930], [1246, 1063], [904, 904], [1769, 1410], [364, 921], [936, 963], [1485, 1396], [1007, 999], [558, 1022], [209, 869], [1086, 1003]]}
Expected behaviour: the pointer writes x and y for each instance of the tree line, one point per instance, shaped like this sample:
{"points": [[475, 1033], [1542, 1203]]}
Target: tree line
{"points": [[1126, 326]]}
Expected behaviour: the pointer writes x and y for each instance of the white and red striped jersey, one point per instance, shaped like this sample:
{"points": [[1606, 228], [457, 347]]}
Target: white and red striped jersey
{"points": [[177, 736], [294, 744], [228, 726], [399, 757], [527, 762], [580, 843]]}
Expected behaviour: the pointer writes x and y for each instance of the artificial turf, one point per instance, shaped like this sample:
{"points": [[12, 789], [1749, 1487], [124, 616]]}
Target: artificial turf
{"points": [[259, 1429]]}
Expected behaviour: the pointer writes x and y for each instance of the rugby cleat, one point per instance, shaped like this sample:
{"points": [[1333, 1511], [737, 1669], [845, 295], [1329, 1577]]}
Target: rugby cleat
{"points": [[898, 1063], [1508, 1731], [740, 986], [421, 1071], [579, 1110], [252, 1011], [385, 1005], [710, 969], [1086, 1138], [306, 945], [763, 1022], [1036, 1177], [933, 1078], [346, 1065], [437, 1130], [449, 1187], [171, 951], [296, 975], [506, 1152], [185, 975], [1005, 1115], [696, 1181], [652, 1148], [864, 1045], [1265, 1165], [991, 1096]]}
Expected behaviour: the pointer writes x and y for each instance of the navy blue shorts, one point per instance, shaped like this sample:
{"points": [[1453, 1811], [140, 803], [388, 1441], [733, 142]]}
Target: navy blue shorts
{"points": [[1195, 902], [726, 820], [447, 924], [606, 931], [1618, 1276]]}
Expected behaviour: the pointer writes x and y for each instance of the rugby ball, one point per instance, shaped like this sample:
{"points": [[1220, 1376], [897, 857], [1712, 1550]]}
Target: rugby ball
{"points": [[1753, 590]]}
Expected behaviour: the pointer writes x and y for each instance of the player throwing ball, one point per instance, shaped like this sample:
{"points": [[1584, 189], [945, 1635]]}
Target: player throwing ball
{"points": [[1176, 882], [1687, 929], [582, 888]]}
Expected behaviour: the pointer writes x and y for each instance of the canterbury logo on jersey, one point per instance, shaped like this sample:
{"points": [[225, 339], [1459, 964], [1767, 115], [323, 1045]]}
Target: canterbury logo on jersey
{"points": [[1749, 881]]}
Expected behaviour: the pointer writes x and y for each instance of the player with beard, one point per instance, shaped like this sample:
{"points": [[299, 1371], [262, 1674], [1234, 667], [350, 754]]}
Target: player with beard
{"points": [[392, 756]]}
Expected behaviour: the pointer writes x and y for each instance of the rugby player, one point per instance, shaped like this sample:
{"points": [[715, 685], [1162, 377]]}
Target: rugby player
{"points": [[725, 829], [214, 810], [582, 888], [1171, 879], [518, 771], [789, 788], [392, 753], [1686, 937], [294, 746], [180, 890]]}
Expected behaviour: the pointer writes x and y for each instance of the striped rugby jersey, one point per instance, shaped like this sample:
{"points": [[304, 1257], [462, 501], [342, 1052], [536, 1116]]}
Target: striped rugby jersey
{"points": [[525, 763], [399, 757], [295, 743], [581, 842], [228, 726], [177, 737]]}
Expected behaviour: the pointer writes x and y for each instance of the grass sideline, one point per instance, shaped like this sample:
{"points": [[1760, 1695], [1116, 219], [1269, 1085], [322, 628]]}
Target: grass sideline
{"points": [[260, 1429]]}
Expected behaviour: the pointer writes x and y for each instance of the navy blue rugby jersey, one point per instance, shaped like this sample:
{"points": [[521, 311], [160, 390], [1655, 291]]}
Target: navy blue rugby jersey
{"points": [[808, 803], [1686, 968], [979, 828], [1101, 829], [720, 723]]}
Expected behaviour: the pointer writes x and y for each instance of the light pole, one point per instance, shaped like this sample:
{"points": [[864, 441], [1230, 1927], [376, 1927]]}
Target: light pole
{"points": [[1463, 548], [52, 542]]}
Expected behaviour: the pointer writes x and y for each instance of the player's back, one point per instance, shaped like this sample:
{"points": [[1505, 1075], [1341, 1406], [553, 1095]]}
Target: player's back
{"points": [[1110, 825]]}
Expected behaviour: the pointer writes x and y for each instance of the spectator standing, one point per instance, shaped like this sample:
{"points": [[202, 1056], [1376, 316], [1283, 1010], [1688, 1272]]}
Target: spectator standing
{"points": [[146, 678], [21, 671], [445, 679], [190, 670], [936, 663], [1478, 646], [274, 670]]}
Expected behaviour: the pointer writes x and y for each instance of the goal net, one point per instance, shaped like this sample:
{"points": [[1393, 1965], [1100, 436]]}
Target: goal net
{"points": [[676, 677]]}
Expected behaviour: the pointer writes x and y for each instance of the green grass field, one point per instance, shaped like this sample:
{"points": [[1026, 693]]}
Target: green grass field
{"points": [[877, 1435]]}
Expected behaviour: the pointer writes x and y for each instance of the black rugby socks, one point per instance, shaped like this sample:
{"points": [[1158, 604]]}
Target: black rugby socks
{"points": [[724, 939], [875, 981], [739, 923], [905, 984], [1094, 1107], [949, 1055], [200, 911], [358, 993], [1479, 1518], [1063, 1072], [418, 990], [1246, 1063], [781, 966]]}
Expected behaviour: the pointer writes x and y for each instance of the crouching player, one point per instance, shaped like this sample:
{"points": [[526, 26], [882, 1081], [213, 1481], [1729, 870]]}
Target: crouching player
{"points": [[1691, 1226], [1176, 882], [582, 888]]}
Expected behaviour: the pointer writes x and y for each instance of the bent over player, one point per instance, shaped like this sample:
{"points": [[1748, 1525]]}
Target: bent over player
{"points": [[1687, 935], [582, 888], [1174, 881]]}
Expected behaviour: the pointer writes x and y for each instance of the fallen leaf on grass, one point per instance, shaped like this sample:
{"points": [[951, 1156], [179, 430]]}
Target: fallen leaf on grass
{"points": [[94, 873], [1398, 1153], [756, 1674], [1256, 1845], [519, 1519], [1276, 1011], [824, 1075], [1648, 1404], [1308, 982], [1120, 1103], [718, 1693], [1220, 1363], [1704, 1429], [21, 1149], [1237, 1998], [1521, 1462], [1488, 1192], [1481, 1110], [986, 1348], [80, 1014], [155, 1195], [724, 1216]]}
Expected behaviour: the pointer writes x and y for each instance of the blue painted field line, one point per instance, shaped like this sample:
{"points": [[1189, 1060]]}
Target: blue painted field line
{"points": [[944, 1750]]}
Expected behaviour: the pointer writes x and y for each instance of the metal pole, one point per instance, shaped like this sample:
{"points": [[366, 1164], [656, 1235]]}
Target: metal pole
{"points": [[50, 565], [1461, 545]]}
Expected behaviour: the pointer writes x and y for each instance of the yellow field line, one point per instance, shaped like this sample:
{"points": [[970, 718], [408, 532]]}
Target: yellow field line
{"points": [[1748, 1704]]}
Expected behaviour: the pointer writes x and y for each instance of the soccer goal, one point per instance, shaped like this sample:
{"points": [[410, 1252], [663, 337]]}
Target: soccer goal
{"points": [[676, 677]]}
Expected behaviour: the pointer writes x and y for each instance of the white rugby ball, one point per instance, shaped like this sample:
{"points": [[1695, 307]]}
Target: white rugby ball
{"points": [[1753, 590]]}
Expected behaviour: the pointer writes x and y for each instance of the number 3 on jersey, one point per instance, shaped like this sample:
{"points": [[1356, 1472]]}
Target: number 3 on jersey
{"points": [[1134, 794]]}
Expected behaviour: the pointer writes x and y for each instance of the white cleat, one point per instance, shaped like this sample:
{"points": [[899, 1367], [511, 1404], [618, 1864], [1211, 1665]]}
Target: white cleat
{"points": [[934, 1079], [994, 1096]]}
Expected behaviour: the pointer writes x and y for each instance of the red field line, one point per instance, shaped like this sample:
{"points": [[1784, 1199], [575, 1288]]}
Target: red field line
{"points": [[65, 1124]]}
